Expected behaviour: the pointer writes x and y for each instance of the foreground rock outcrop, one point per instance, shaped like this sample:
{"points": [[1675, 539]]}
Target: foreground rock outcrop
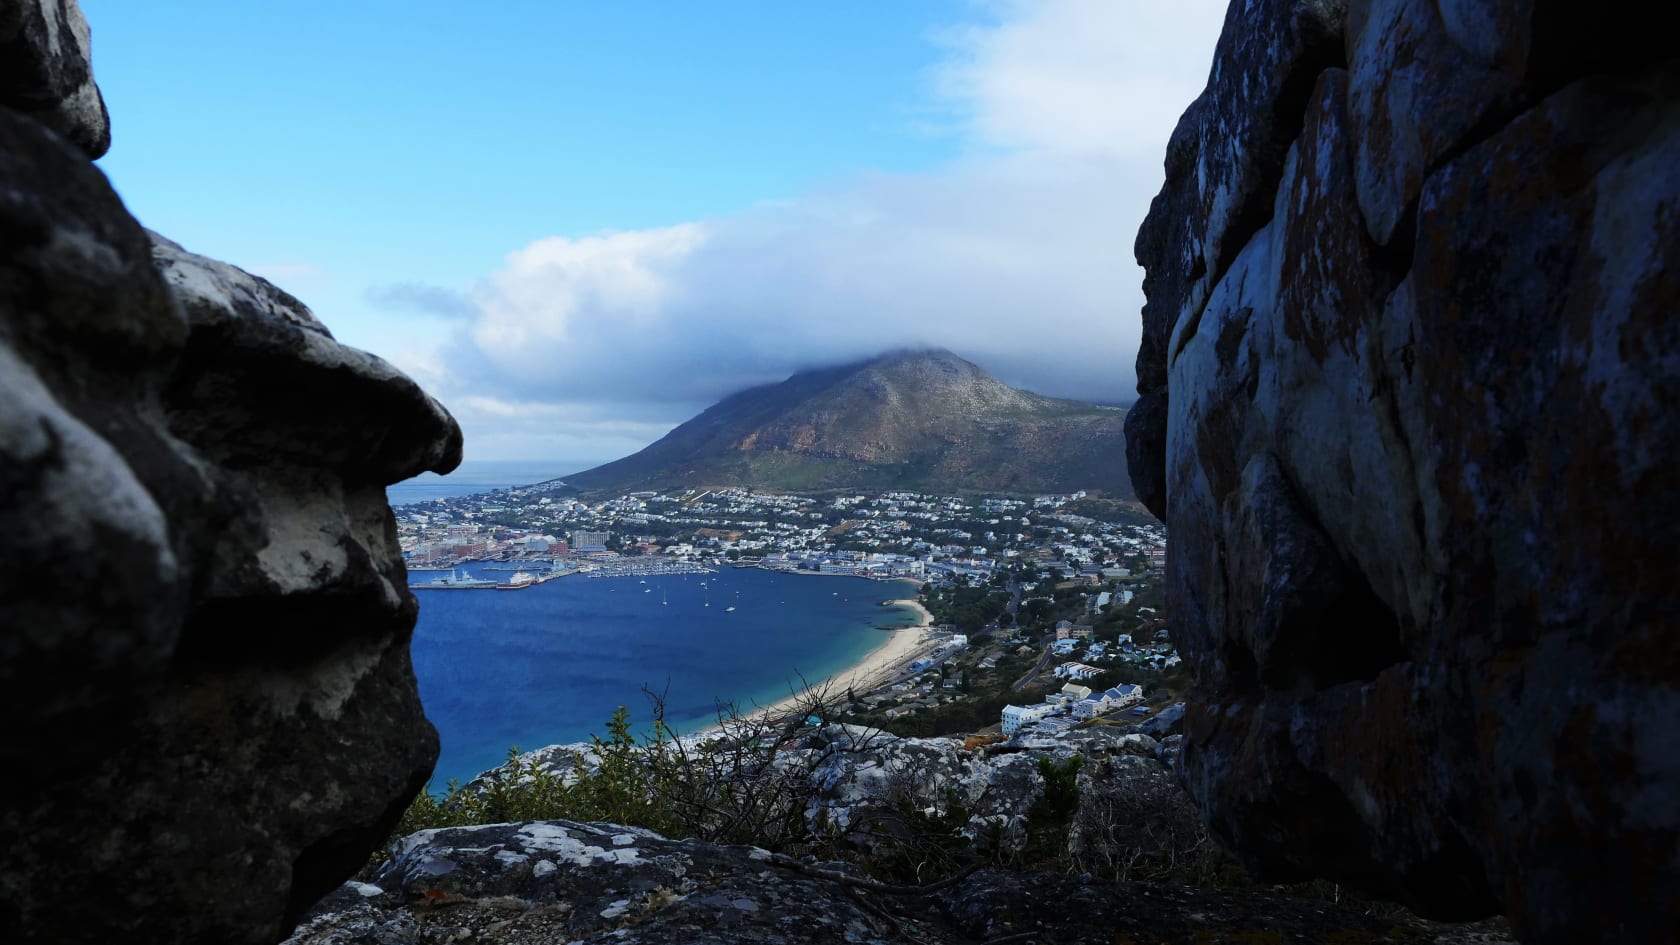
{"points": [[1409, 385], [204, 660], [557, 882]]}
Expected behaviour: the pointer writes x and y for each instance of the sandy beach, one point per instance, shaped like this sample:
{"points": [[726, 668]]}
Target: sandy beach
{"points": [[878, 667]]}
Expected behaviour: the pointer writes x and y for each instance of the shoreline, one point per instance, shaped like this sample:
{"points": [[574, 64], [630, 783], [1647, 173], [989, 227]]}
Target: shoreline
{"points": [[875, 669]]}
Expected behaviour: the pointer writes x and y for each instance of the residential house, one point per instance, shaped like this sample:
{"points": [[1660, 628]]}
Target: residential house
{"points": [[1017, 716], [1073, 692]]}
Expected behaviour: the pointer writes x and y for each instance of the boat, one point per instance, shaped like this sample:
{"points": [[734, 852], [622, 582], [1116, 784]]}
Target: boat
{"points": [[452, 582], [728, 610], [519, 581]]}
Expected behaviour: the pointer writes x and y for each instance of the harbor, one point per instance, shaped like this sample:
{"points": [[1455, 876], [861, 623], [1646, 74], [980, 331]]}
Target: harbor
{"points": [[456, 580], [530, 574]]}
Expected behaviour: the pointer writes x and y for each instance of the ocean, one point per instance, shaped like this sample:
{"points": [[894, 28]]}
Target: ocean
{"points": [[475, 476], [548, 664]]}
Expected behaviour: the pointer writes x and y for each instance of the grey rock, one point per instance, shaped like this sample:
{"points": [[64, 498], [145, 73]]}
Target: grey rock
{"points": [[1222, 167], [205, 647], [1416, 457], [46, 49], [853, 783], [1165, 723], [556, 882], [1169, 750]]}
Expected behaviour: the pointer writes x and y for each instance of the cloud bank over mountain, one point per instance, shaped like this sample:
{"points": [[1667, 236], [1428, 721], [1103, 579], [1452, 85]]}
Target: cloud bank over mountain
{"points": [[1017, 255]]}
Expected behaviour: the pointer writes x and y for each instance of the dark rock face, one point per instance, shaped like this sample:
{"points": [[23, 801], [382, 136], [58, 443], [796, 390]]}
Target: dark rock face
{"points": [[1411, 344], [46, 71], [205, 650]]}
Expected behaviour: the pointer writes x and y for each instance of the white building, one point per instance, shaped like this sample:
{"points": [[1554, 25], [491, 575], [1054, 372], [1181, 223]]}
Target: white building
{"points": [[1073, 691], [1016, 716], [1113, 698]]}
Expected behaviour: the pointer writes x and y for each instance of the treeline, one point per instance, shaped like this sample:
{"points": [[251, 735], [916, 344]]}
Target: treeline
{"points": [[969, 608]]}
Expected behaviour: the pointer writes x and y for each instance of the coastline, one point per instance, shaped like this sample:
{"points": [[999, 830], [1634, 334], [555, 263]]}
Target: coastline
{"points": [[877, 668]]}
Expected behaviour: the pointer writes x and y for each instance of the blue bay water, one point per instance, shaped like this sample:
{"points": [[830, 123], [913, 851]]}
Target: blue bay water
{"points": [[475, 476], [549, 664]]}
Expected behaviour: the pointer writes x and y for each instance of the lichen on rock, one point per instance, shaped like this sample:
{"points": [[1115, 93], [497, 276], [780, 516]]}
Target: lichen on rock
{"points": [[1411, 363]]}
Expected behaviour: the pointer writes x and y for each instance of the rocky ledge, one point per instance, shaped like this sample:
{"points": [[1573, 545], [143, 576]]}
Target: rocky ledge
{"points": [[561, 881], [553, 882]]}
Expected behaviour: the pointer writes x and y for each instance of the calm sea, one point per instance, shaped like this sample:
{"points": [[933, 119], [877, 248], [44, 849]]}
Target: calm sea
{"points": [[548, 664], [475, 476]]}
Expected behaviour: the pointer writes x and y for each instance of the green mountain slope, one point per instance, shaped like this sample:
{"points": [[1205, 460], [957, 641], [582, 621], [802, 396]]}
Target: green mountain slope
{"points": [[914, 420]]}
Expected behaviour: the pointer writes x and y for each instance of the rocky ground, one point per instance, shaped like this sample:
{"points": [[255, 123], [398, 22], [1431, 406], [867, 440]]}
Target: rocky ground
{"points": [[562, 882]]}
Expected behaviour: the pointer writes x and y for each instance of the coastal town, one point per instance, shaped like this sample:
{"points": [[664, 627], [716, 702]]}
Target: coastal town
{"points": [[1038, 614]]}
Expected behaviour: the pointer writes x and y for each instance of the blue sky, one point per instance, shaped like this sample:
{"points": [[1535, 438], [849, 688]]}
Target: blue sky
{"points": [[579, 223]]}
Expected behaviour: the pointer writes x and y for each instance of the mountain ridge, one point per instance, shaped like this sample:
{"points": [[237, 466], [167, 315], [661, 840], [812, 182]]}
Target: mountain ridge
{"points": [[915, 419]]}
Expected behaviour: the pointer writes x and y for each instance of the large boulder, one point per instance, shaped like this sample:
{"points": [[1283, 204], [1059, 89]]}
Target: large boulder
{"points": [[1414, 354], [205, 650], [46, 70]]}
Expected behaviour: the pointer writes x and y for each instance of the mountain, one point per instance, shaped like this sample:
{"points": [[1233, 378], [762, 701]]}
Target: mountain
{"points": [[913, 420]]}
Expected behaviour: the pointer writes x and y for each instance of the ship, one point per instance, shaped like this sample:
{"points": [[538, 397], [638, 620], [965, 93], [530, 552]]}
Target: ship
{"points": [[454, 581], [519, 581]]}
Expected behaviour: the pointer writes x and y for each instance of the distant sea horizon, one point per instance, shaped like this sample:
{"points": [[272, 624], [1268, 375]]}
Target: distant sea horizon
{"points": [[483, 475]]}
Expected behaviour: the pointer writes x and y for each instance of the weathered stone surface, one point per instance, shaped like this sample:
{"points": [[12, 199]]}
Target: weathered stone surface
{"points": [[46, 70], [1222, 167], [1404, 118], [554, 882], [1418, 465], [205, 647]]}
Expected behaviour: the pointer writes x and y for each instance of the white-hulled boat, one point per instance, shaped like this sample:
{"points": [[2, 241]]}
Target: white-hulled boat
{"points": [[519, 581]]}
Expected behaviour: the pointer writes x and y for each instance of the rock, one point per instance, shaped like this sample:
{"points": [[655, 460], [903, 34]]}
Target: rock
{"points": [[1416, 456], [855, 784], [556, 882], [205, 656], [48, 74], [1169, 750], [1165, 723], [1222, 167]]}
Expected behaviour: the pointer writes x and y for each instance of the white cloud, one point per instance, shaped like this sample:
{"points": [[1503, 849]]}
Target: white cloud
{"points": [[1017, 256], [558, 288], [1082, 76]]}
